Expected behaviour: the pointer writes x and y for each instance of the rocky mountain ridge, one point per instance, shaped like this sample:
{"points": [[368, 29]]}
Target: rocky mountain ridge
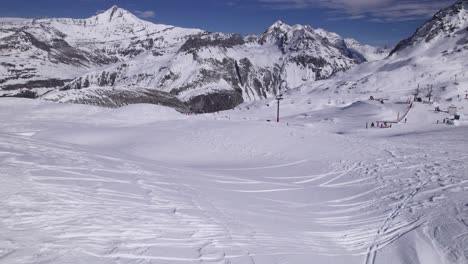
{"points": [[430, 65], [449, 23], [115, 52]]}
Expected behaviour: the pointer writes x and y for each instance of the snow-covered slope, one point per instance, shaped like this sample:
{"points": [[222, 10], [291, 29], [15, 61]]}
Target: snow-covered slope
{"points": [[44, 53], [145, 184], [215, 71], [432, 63], [353, 47], [206, 71], [370, 53], [446, 32]]}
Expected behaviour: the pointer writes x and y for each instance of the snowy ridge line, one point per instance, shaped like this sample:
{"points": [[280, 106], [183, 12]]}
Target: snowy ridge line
{"points": [[123, 51]]}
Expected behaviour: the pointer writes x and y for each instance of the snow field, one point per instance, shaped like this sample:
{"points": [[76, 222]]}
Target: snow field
{"points": [[144, 184]]}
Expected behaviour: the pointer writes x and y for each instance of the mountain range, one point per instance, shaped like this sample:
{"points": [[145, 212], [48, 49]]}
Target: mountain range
{"points": [[431, 65], [114, 59]]}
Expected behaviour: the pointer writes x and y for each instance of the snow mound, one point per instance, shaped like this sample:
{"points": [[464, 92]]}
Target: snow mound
{"points": [[362, 107], [144, 113], [65, 110], [373, 110]]}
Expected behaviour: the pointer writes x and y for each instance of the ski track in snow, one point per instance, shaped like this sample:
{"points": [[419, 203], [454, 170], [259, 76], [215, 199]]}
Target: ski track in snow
{"points": [[64, 203], [138, 215], [109, 214]]}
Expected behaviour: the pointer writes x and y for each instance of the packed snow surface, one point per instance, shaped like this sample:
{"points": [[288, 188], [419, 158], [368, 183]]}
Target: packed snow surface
{"points": [[145, 184]]}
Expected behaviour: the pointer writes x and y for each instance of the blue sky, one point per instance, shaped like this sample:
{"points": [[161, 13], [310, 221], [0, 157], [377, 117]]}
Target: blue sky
{"points": [[375, 22]]}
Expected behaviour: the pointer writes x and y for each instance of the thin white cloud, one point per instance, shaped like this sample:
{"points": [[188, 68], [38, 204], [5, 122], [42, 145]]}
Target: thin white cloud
{"points": [[145, 14], [352, 17], [376, 10], [232, 3]]}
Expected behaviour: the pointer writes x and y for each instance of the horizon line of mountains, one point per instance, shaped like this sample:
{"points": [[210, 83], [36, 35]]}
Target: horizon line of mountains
{"points": [[115, 59]]}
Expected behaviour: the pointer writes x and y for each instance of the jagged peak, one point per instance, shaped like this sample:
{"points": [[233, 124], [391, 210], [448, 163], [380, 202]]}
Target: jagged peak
{"points": [[115, 13], [284, 27], [447, 22], [279, 25], [453, 9]]}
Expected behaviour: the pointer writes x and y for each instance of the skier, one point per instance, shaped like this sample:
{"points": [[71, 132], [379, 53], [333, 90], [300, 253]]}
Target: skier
{"points": [[372, 125]]}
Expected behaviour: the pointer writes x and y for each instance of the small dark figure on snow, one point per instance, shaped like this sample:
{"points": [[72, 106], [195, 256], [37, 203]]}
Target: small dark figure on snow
{"points": [[372, 125]]}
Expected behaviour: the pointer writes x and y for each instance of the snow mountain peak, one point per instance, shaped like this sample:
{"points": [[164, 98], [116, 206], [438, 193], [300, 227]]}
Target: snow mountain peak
{"points": [[278, 26], [448, 23], [114, 58], [115, 14]]}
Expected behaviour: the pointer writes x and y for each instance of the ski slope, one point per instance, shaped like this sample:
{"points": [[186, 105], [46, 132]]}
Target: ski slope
{"points": [[145, 184]]}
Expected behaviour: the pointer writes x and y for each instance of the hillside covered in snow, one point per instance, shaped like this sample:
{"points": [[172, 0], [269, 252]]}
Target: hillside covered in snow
{"points": [[146, 184], [368, 164], [430, 65], [114, 59]]}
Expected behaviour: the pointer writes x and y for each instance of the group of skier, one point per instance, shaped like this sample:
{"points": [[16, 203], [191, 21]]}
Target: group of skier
{"points": [[381, 124]]}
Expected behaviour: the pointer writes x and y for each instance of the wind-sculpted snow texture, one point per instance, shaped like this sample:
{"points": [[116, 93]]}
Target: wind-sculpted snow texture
{"points": [[85, 184], [206, 71], [148, 184]]}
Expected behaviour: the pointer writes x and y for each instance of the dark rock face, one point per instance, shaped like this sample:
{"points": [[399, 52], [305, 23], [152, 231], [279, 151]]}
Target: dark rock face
{"points": [[349, 52], [23, 94], [36, 84], [258, 83], [118, 98], [211, 40], [35, 42], [214, 102], [103, 79], [316, 64], [113, 98]]}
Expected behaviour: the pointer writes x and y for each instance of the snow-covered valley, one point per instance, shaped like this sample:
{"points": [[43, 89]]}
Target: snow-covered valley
{"points": [[145, 184], [369, 164]]}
